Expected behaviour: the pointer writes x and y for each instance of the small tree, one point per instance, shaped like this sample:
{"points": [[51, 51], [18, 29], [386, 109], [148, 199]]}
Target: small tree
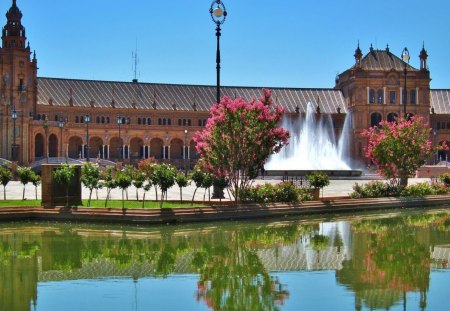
{"points": [[63, 176], [123, 181], [147, 166], [138, 182], [318, 180], [5, 177], [36, 181], [108, 181], [25, 176], [207, 183], [147, 187], [182, 181], [220, 183], [90, 177], [164, 176], [239, 137], [197, 175], [398, 149]]}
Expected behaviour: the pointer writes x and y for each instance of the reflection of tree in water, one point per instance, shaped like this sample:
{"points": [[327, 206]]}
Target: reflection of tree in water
{"points": [[232, 276], [390, 257]]}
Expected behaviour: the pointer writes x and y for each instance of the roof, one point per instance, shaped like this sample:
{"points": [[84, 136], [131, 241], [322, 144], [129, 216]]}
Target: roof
{"points": [[108, 94], [383, 60], [440, 101]]}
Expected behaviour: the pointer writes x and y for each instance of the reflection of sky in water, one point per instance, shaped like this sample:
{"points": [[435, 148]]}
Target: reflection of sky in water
{"points": [[308, 291]]}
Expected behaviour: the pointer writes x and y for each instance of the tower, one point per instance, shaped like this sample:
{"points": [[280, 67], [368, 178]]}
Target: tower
{"points": [[18, 86], [423, 58]]}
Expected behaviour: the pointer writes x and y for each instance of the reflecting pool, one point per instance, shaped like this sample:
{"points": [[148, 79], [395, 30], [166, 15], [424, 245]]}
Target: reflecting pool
{"points": [[387, 261]]}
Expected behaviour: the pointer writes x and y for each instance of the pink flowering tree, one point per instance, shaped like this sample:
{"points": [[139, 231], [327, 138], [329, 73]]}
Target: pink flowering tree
{"points": [[398, 149], [239, 137]]}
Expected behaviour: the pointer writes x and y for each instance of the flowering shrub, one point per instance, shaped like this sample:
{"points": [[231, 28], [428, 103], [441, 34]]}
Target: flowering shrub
{"points": [[239, 137], [445, 178], [374, 189], [268, 193], [377, 189], [417, 190], [399, 149]]}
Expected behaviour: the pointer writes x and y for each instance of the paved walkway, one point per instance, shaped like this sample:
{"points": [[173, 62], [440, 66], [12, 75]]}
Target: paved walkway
{"points": [[336, 188]]}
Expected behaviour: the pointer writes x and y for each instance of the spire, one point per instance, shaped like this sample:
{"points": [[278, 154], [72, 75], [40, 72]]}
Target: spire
{"points": [[423, 58], [387, 48], [13, 34], [358, 55]]}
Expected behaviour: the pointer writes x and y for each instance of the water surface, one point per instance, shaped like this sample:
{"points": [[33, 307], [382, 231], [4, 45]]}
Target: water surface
{"points": [[395, 261]]}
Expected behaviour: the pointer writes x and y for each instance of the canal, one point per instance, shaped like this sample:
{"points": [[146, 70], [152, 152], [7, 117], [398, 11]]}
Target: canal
{"points": [[395, 260]]}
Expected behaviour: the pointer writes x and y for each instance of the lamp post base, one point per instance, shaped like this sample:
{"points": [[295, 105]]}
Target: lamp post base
{"points": [[217, 193]]}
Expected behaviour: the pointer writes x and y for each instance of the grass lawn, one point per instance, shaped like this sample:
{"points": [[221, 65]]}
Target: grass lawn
{"points": [[101, 204]]}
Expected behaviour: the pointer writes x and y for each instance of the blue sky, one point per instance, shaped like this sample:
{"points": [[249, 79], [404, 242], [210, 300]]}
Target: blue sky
{"points": [[285, 43]]}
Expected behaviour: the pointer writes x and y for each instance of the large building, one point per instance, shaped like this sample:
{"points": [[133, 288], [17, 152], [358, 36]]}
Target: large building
{"points": [[128, 121]]}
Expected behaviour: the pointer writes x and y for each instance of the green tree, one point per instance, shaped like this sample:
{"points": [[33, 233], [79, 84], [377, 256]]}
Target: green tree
{"points": [[164, 176], [123, 181], [398, 149], [25, 176], [63, 176], [5, 177], [182, 181], [318, 180], [36, 181], [90, 177], [107, 177], [138, 182], [197, 175], [147, 187], [239, 137]]}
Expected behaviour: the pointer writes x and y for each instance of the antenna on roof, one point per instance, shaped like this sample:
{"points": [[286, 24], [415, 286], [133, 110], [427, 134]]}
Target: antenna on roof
{"points": [[134, 56]]}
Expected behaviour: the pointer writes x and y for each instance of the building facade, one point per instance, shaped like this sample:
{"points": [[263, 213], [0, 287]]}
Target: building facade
{"points": [[127, 121]]}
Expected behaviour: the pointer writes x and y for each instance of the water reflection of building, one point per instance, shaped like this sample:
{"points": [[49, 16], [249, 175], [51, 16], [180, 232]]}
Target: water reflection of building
{"points": [[55, 254]]}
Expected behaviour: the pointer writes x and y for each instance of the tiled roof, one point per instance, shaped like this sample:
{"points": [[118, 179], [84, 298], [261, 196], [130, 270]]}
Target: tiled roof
{"points": [[101, 94], [383, 60], [440, 101]]}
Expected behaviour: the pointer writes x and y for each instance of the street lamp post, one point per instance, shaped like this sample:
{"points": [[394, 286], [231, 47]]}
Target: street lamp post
{"points": [[405, 58], [61, 126], [185, 151], [119, 122], [14, 147], [87, 120], [218, 14]]}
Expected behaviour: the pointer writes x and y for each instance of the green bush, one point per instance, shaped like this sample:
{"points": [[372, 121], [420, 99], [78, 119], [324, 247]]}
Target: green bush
{"points": [[268, 193], [445, 178], [374, 189], [417, 190], [439, 188]]}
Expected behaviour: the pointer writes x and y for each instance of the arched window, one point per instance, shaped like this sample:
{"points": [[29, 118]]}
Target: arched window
{"points": [[56, 118], [107, 120], [81, 119], [164, 121], [97, 120], [159, 121], [77, 119], [392, 117], [199, 122], [139, 120], [375, 119], [169, 121], [412, 96], [149, 121], [380, 95], [371, 96], [103, 119], [189, 122], [179, 121]]}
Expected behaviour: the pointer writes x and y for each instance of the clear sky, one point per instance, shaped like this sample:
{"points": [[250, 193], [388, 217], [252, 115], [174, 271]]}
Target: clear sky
{"points": [[278, 43]]}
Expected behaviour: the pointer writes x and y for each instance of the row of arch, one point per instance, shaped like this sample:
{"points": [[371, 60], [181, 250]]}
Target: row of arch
{"points": [[114, 148], [376, 118]]}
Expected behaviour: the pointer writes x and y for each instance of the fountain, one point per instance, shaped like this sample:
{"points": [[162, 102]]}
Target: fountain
{"points": [[313, 147]]}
